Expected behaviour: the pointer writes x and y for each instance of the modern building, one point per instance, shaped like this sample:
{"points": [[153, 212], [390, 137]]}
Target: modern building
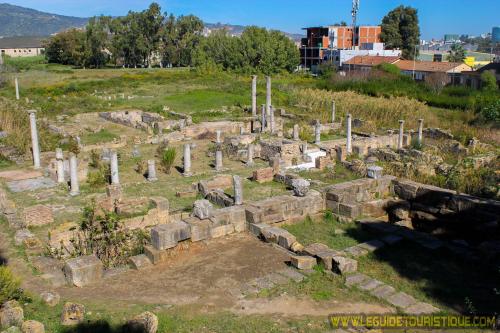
{"points": [[451, 38], [321, 39], [495, 35], [21, 46], [339, 57]]}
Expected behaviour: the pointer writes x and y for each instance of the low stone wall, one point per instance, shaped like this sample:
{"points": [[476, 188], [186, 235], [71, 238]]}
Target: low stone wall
{"points": [[133, 118], [286, 150], [284, 208], [358, 197], [445, 212]]}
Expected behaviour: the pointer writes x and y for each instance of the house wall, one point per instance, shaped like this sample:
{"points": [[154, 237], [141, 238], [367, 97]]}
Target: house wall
{"points": [[23, 52]]}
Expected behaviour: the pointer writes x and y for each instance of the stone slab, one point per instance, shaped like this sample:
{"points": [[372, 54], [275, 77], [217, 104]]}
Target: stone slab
{"points": [[372, 245], [154, 255], [391, 239], [31, 184], [166, 236], [200, 229], [401, 300], [292, 274], [383, 291], [421, 308], [315, 248], [370, 284], [257, 228], [356, 251], [355, 279]]}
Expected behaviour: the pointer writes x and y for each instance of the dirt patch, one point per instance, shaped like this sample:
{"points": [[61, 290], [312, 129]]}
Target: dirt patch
{"points": [[204, 275], [295, 307], [11, 175]]}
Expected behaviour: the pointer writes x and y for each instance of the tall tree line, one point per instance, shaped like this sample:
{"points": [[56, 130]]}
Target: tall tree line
{"points": [[148, 38]]}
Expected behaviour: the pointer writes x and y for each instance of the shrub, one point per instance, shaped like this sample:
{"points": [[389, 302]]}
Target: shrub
{"points": [[95, 159], [9, 285], [492, 112], [488, 81], [103, 235], [168, 159], [99, 177]]}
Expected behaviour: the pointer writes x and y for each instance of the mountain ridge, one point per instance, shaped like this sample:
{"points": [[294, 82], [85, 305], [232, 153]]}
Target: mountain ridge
{"points": [[17, 21]]}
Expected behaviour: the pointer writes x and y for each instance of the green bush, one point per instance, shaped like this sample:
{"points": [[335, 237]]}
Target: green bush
{"points": [[9, 285], [168, 159], [488, 81], [492, 112]]}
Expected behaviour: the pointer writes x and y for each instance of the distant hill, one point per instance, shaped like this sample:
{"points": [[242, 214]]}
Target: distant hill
{"points": [[20, 21]]}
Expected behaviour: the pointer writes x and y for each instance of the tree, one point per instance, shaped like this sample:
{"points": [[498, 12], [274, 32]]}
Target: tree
{"points": [[400, 30], [67, 48], [488, 81], [97, 31], [456, 53]]}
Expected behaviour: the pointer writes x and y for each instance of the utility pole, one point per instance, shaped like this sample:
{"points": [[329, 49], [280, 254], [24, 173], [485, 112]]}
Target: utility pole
{"points": [[354, 13]]}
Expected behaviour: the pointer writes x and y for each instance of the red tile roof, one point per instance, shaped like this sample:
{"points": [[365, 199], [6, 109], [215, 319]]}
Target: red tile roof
{"points": [[427, 66]]}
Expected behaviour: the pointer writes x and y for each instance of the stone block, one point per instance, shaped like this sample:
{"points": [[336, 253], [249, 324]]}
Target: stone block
{"points": [[114, 192], [349, 210], [286, 240], [300, 187], [50, 298], [271, 234], [221, 230], [81, 271], [146, 322], [326, 258], [139, 262], [154, 255], [32, 326], [297, 247], [292, 274], [162, 204], [200, 229], [343, 265], [303, 262], [166, 236], [11, 314], [72, 314], [263, 175], [315, 249], [374, 172], [37, 215], [257, 228], [406, 189], [254, 214], [322, 162], [203, 209]]}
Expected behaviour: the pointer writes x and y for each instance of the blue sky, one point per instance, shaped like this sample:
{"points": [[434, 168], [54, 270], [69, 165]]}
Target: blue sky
{"points": [[437, 17]]}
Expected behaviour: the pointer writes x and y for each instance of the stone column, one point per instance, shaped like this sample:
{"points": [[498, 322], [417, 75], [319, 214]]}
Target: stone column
{"points": [[73, 174], [187, 160], [263, 118], [250, 155], [152, 171], [349, 138], [271, 119], [238, 190], [401, 132], [242, 130], [34, 139], [304, 148], [115, 179], [60, 165], [218, 160], [296, 132], [218, 134], [317, 132], [420, 131], [16, 82], [268, 95], [254, 95], [333, 112]]}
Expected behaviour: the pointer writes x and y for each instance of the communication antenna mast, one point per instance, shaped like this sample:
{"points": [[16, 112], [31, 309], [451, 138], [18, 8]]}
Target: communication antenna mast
{"points": [[354, 13]]}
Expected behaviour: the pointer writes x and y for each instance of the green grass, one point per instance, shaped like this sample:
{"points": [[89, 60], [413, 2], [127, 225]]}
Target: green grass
{"points": [[319, 286], [438, 277], [99, 137], [323, 231]]}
